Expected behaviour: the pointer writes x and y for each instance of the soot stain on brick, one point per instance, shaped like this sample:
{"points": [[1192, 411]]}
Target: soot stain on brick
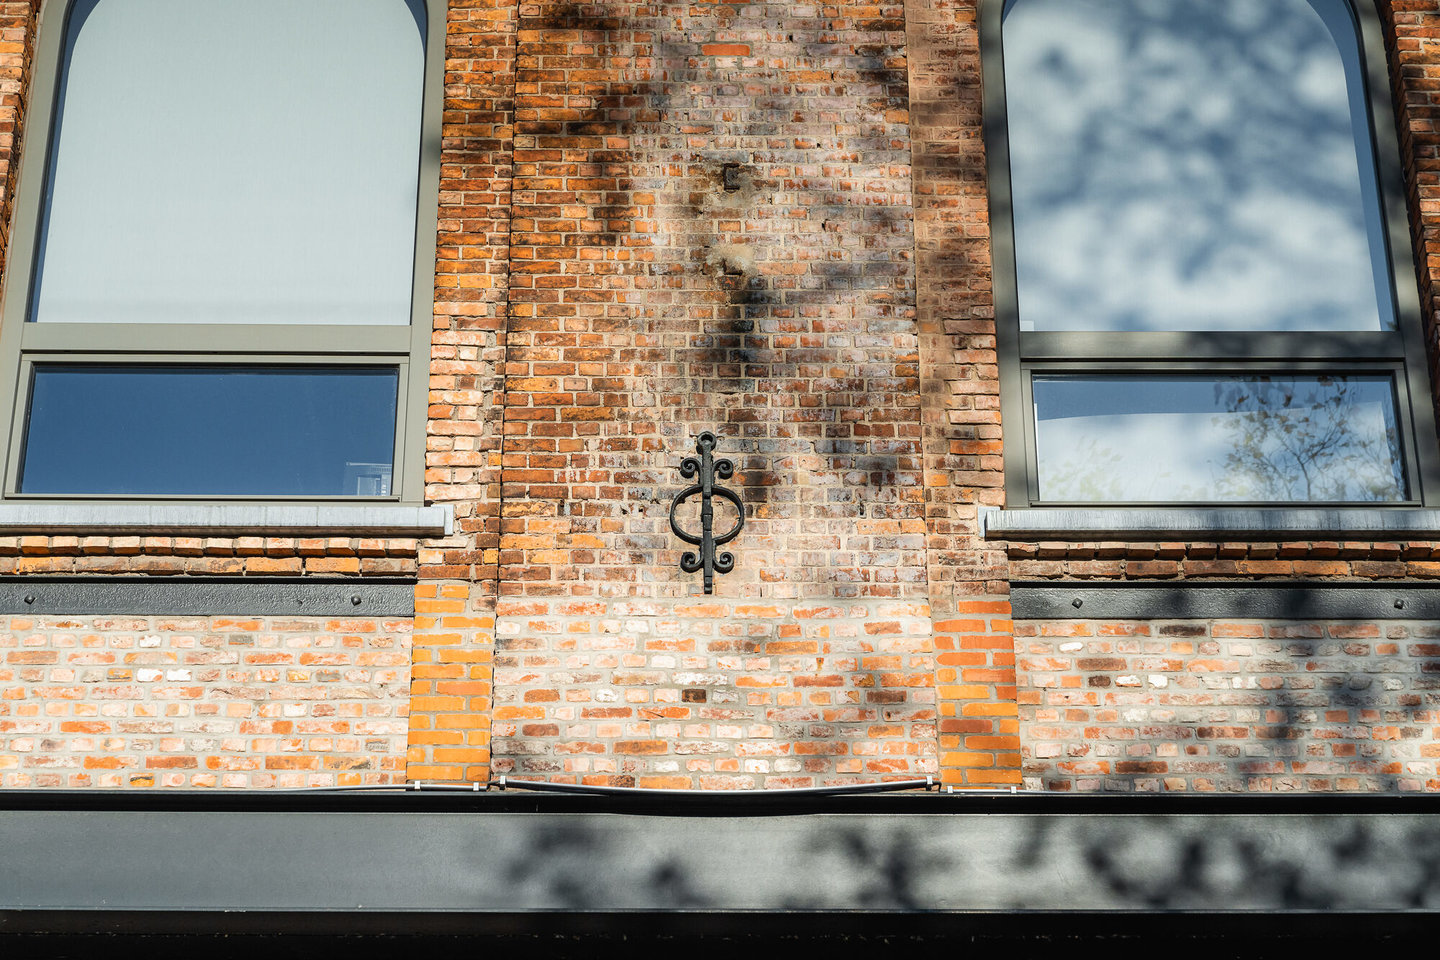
{"points": [[734, 353], [615, 108], [568, 16], [732, 356]]}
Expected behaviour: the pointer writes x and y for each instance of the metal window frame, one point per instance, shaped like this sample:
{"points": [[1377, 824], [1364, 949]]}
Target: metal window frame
{"points": [[406, 347], [1401, 352]]}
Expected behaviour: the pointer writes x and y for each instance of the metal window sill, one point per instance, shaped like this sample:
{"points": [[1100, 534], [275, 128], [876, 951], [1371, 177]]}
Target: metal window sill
{"points": [[226, 519], [1178, 523]]}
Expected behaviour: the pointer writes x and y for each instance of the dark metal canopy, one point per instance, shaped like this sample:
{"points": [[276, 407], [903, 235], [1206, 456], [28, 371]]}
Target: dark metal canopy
{"points": [[494, 862]]}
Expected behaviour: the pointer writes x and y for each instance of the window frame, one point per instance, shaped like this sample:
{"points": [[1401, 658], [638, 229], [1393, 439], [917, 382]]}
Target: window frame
{"points": [[405, 347], [1400, 352]]}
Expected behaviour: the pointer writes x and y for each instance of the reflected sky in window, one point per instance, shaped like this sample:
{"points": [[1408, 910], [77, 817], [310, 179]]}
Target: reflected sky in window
{"points": [[222, 430], [1192, 165], [1256, 439]]}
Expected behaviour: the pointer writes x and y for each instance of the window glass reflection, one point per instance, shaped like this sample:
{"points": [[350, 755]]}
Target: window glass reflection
{"points": [[1192, 165], [210, 430], [252, 162], [1257, 439]]}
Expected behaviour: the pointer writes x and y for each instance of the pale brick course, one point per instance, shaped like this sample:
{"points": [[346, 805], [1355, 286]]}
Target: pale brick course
{"points": [[1230, 705], [202, 702], [707, 693]]}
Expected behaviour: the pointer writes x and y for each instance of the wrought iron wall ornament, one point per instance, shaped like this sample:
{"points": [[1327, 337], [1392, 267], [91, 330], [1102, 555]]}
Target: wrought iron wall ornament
{"points": [[709, 470]]}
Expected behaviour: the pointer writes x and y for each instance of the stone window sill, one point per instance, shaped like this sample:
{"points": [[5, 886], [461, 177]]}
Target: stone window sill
{"points": [[226, 519], [1175, 523]]}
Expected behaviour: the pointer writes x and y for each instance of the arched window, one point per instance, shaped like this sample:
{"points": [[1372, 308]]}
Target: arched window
{"points": [[1204, 286], [222, 267]]}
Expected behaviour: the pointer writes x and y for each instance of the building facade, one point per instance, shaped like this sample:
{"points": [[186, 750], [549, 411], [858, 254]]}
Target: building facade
{"points": [[1076, 362]]}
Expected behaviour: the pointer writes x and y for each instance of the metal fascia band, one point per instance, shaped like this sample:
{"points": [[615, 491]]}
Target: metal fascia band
{"points": [[1210, 600], [151, 596]]}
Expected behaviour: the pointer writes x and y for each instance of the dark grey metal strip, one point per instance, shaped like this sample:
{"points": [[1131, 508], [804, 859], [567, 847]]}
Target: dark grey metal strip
{"points": [[121, 596], [1206, 601], [350, 864]]}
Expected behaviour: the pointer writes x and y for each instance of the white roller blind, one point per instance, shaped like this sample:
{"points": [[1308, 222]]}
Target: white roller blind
{"points": [[234, 161]]}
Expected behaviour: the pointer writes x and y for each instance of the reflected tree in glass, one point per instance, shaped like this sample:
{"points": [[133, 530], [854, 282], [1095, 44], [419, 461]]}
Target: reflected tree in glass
{"points": [[1294, 440], [1155, 438]]}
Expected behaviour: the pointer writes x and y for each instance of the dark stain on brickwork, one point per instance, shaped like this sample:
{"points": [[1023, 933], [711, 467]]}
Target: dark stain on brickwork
{"points": [[571, 16], [571, 116]]}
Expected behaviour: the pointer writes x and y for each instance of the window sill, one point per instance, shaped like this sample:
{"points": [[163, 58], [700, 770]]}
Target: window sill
{"points": [[226, 519], [1178, 523]]}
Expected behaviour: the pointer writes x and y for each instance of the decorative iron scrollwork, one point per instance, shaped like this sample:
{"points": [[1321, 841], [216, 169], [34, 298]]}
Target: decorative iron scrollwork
{"points": [[709, 470]]}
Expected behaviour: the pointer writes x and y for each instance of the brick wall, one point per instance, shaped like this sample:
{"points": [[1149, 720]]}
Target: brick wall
{"points": [[714, 693], [1415, 69], [202, 702], [1231, 705], [712, 231], [1308, 560], [649, 301], [208, 556], [768, 221]]}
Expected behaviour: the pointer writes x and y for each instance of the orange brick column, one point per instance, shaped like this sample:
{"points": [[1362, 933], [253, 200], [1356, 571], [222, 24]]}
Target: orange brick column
{"points": [[975, 675], [975, 662], [451, 695], [455, 597]]}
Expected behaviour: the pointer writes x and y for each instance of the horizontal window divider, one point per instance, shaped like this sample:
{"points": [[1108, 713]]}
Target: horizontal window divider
{"points": [[1250, 348], [1092, 524], [211, 338], [226, 519]]}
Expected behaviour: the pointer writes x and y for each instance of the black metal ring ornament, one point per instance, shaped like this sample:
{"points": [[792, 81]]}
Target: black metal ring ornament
{"points": [[709, 470]]}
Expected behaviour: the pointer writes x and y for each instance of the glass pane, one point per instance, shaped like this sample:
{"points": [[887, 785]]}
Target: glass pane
{"points": [[210, 430], [1259, 439], [1192, 165], [251, 162]]}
